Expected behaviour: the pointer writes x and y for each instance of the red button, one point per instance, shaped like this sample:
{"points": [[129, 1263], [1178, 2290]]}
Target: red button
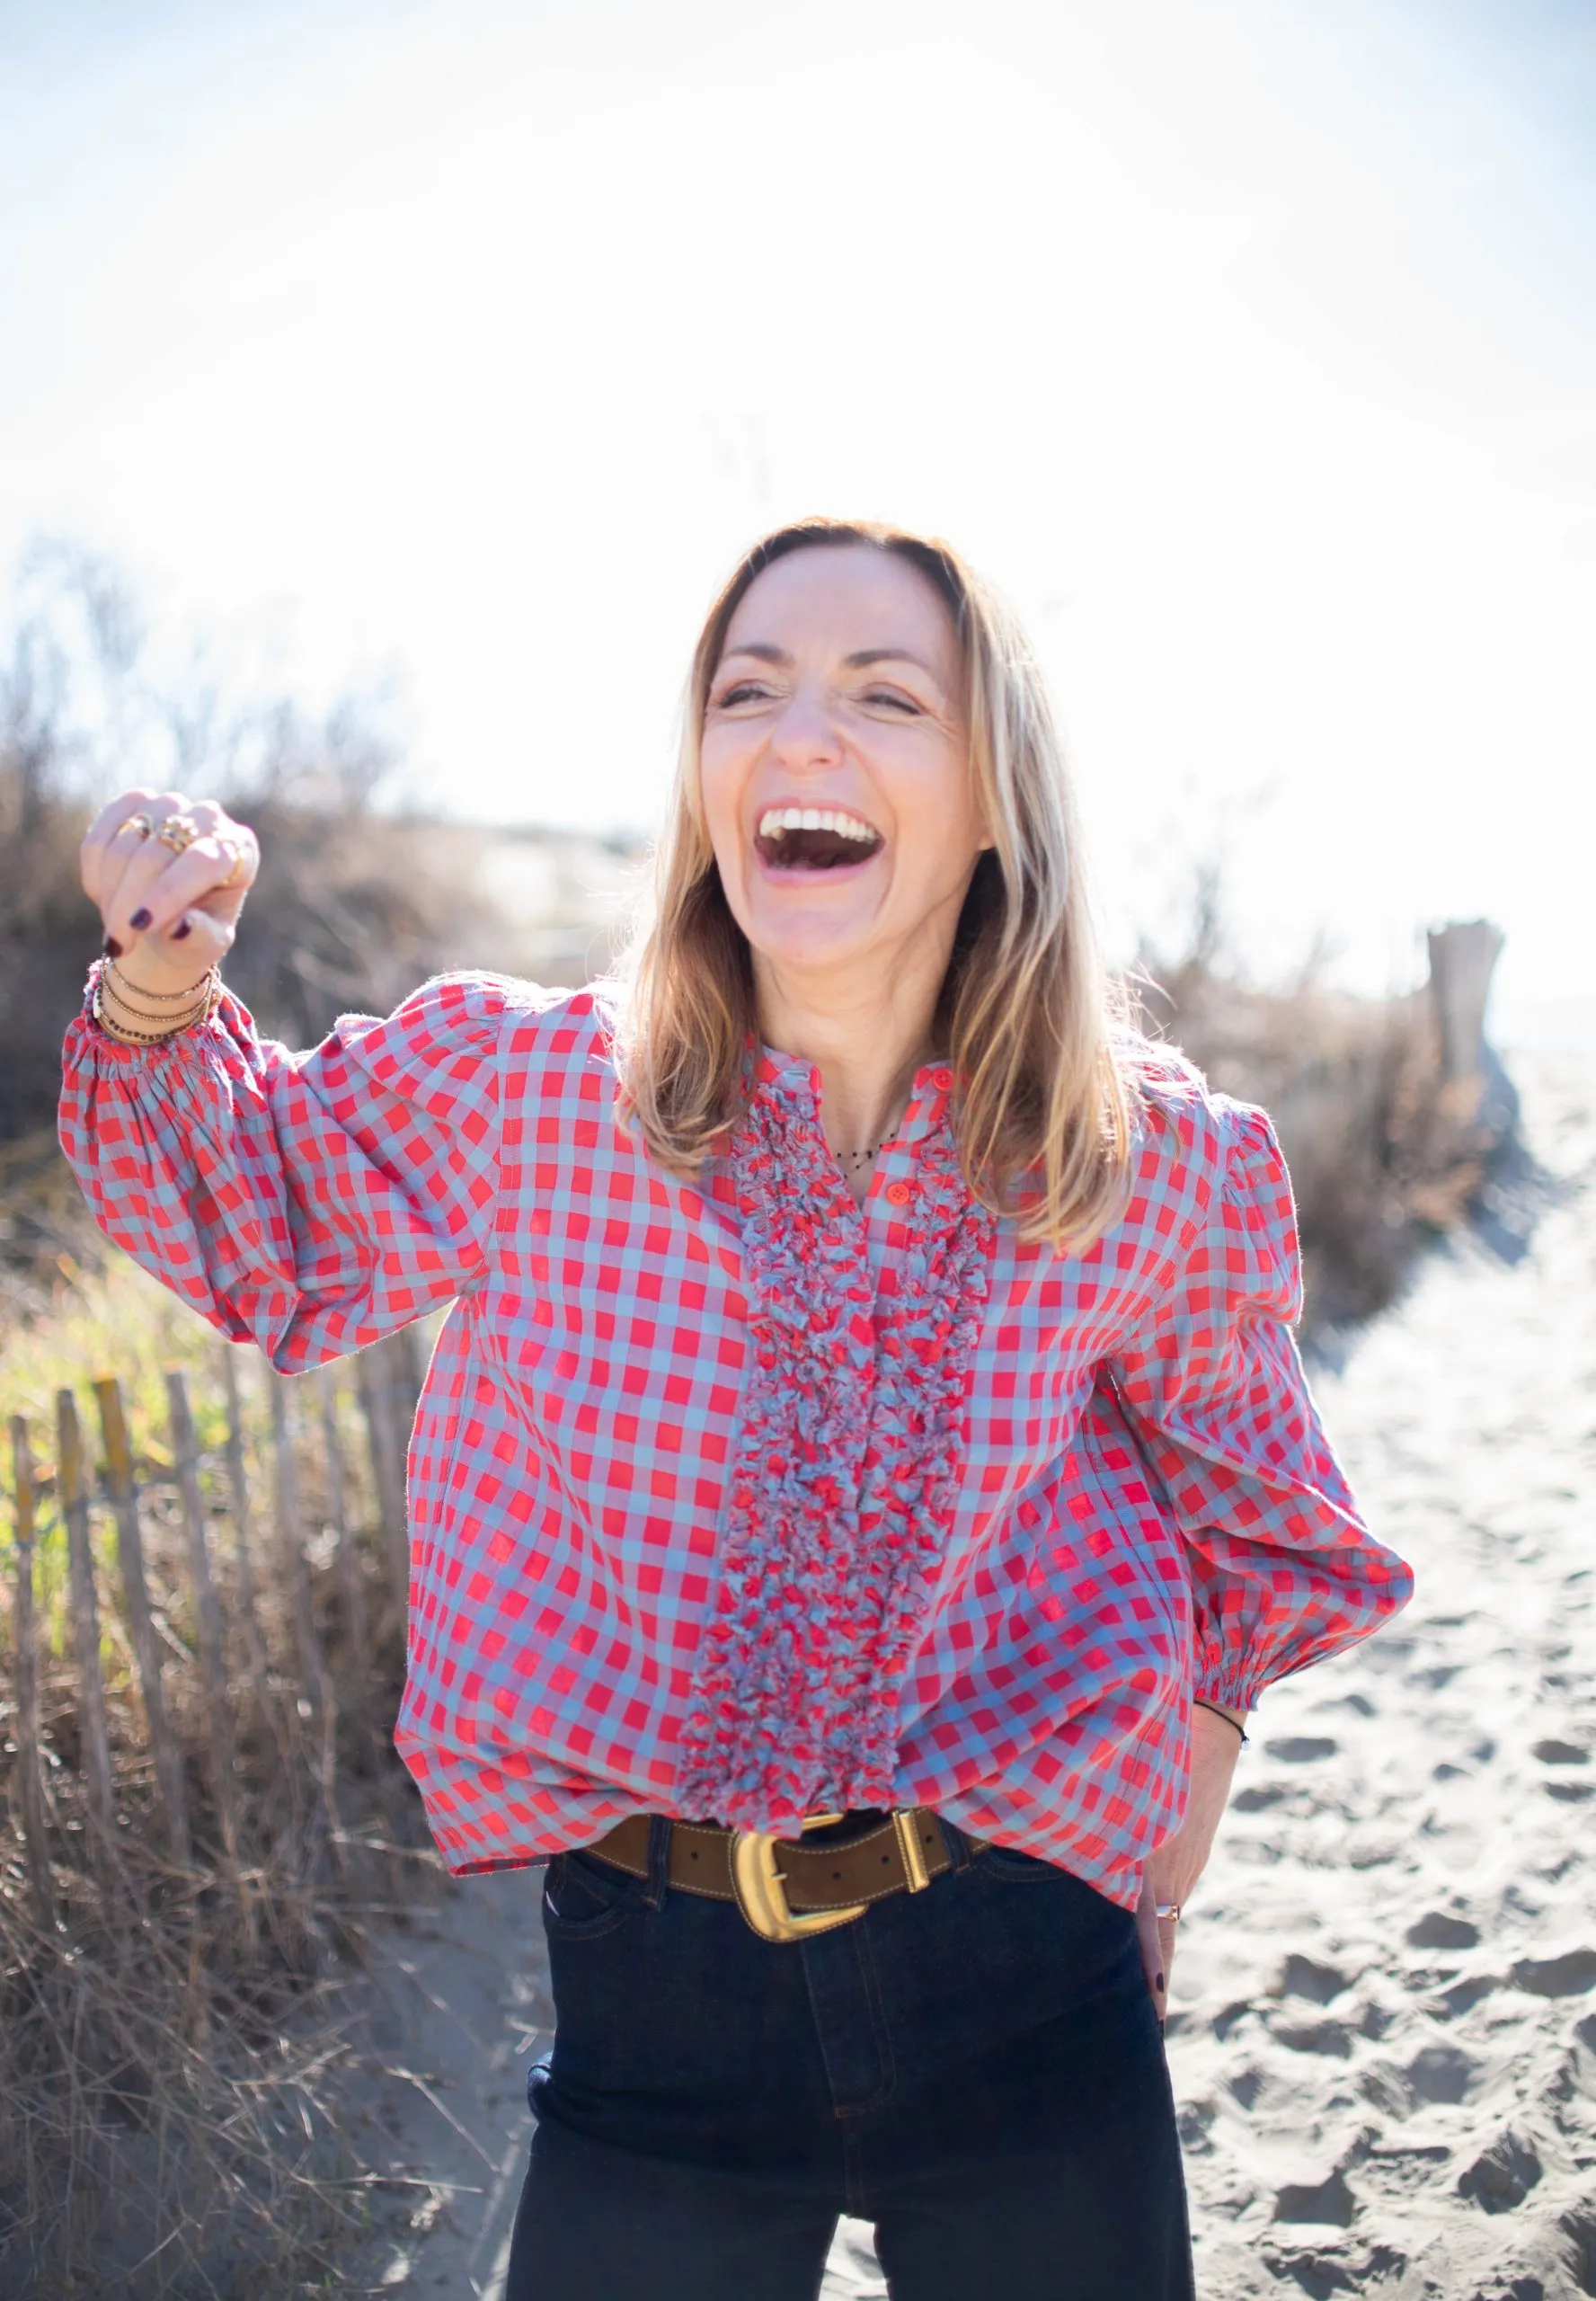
{"points": [[900, 1192], [943, 1079]]}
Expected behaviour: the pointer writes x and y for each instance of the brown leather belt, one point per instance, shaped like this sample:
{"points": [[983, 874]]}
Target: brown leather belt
{"points": [[788, 1888]]}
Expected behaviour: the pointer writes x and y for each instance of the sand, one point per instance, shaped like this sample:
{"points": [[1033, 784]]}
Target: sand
{"points": [[1384, 2035]]}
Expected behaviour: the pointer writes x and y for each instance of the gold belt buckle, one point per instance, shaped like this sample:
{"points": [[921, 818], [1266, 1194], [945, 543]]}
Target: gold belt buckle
{"points": [[761, 1889]]}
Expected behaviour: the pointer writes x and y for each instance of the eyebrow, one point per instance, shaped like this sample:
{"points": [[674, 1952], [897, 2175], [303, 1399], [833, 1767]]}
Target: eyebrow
{"points": [[860, 660]]}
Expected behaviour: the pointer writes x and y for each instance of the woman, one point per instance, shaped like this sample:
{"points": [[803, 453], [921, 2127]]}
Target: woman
{"points": [[863, 1485]]}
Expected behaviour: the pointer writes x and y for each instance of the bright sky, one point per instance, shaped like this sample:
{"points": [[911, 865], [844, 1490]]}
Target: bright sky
{"points": [[1251, 346]]}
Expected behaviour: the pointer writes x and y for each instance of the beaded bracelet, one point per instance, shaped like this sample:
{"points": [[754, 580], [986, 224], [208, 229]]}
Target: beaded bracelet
{"points": [[118, 1009], [153, 1038]]}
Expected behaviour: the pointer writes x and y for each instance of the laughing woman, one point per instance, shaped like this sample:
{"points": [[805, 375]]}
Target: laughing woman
{"points": [[863, 1484]]}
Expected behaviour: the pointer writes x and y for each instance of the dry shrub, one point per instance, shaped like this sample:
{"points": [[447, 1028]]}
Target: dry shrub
{"points": [[359, 897], [170, 2046], [1385, 1154]]}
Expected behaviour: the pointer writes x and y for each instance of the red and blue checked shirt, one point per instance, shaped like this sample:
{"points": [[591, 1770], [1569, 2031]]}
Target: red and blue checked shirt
{"points": [[732, 1498]]}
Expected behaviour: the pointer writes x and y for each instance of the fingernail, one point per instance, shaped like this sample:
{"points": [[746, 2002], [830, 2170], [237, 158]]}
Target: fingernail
{"points": [[111, 947], [1158, 1983], [178, 932], [139, 921]]}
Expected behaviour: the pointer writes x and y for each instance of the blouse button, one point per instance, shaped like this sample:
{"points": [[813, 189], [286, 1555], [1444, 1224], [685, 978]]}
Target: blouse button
{"points": [[900, 1192], [943, 1079]]}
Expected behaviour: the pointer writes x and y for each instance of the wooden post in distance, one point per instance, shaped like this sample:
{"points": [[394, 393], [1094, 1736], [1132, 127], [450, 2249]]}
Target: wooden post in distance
{"points": [[146, 1648], [35, 1842], [94, 1741]]}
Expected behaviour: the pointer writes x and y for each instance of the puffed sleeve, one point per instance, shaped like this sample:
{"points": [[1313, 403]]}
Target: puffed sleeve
{"points": [[311, 1203], [1284, 1572]]}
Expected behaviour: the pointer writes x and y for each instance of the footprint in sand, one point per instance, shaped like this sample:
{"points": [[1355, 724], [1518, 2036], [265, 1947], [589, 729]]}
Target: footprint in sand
{"points": [[1385, 2008]]}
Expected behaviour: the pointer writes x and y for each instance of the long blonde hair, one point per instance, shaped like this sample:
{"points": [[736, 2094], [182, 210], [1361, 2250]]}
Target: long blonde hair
{"points": [[1025, 1017]]}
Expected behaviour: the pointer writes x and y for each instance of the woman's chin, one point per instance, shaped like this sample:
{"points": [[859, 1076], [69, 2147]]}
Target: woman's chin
{"points": [[815, 947]]}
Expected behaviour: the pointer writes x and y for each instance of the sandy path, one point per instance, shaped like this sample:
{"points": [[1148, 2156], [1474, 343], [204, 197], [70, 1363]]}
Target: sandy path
{"points": [[1385, 2035]]}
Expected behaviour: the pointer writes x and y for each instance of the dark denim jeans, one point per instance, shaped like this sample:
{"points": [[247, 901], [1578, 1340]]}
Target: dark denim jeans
{"points": [[975, 2068]]}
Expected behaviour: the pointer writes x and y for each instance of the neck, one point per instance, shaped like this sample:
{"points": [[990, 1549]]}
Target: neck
{"points": [[867, 1041]]}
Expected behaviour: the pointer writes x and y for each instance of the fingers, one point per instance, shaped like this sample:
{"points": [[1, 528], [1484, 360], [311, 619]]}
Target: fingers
{"points": [[1167, 1932], [1155, 1938], [157, 891], [133, 858], [117, 831], [148, 888], [181, 957]]}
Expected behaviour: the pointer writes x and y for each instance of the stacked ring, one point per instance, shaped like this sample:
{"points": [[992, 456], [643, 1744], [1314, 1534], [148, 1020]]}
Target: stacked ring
{"points": [[141, 824], [178, 832], [232, 878], [1170, 1910]]}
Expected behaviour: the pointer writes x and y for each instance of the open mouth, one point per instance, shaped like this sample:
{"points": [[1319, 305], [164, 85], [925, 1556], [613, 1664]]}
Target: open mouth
{"points": [[814, 839]]}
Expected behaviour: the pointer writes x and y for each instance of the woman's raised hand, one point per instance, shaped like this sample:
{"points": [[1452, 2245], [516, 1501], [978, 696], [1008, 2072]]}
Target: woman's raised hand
{"points": [[170, 875]]}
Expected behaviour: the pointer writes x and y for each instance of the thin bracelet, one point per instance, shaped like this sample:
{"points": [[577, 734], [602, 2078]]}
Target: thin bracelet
{"points": [[120, 1011], [126, 1038], [115, 1001], [1198, 1703], [147, 1038], [165, 998]]}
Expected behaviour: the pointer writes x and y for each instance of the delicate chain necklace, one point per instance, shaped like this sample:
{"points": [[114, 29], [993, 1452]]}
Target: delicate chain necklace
{"points": [[860, 1158]]}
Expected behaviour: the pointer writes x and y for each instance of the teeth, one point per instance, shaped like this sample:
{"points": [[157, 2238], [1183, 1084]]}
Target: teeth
{"points": [[775, 819]]}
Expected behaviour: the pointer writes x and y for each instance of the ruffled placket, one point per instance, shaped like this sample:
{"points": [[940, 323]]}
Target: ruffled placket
{"points": [[844, 1474]]}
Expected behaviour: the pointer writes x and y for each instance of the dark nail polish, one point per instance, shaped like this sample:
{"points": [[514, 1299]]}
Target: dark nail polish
{"points": [[1158, 1984], [112, 948], [139, 920], [178, 932]]}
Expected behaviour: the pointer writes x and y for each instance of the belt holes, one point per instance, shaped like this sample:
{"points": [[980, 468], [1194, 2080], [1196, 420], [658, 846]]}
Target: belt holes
{"points": [[837, 1876], [691, 1855]]}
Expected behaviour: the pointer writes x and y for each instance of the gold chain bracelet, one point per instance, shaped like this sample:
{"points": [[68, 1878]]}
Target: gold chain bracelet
{"points": [[162, 998], [118, 1003], [152, 1038]]}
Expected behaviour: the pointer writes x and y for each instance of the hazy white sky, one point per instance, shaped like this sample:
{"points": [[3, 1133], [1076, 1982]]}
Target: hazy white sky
{"points": [[1251, 345]]}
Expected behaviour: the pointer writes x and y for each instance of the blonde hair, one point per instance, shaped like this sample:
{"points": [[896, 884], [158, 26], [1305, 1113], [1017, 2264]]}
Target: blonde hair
{"points": [[1025, 1018]]}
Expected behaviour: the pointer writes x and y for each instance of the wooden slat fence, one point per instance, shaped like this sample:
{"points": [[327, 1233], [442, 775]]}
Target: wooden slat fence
{"points": [[161, 1683]]}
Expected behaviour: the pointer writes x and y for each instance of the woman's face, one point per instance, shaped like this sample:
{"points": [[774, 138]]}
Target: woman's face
{"points": [[835, 766]]}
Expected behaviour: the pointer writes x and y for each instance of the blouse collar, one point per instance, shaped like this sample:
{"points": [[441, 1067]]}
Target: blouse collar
{"points": [[791, 1080]]}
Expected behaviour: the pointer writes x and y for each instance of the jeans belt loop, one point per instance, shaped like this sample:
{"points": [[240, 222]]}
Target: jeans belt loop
{"points": [[659, 1862]]}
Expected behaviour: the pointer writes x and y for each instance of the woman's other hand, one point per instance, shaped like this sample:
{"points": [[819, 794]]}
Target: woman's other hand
{"points": [[169, 907], [1172, 1874]]}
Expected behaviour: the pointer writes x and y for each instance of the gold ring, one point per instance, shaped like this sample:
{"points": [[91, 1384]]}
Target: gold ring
{"points": [[232, 878], [178, 833], [140, 822]]}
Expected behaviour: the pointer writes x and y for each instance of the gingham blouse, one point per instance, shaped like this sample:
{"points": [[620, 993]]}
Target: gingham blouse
{"points": [[733, 1500]]}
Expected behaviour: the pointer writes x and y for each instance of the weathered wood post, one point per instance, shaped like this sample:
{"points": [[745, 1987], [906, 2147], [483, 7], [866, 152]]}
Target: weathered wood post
{"points": [[213, 1653], [243, 1547], [290, 1536], [387, 1469], [147, 1650], [29, 1778], [349, 1556], [94, 1741], [410, 1361], [1463, 956], [291, 1532]]}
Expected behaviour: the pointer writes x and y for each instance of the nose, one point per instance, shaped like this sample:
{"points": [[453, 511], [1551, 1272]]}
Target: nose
{"points": [[805, 735]]}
